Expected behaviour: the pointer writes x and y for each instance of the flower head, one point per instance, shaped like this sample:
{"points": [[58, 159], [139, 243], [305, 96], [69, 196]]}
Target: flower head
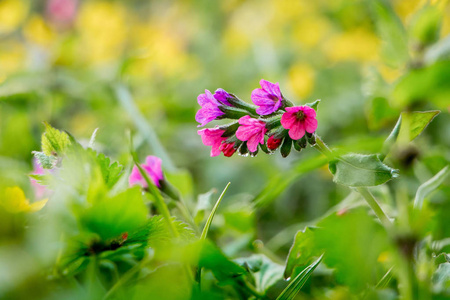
{"points": [[299, 119], [268, 98], [212, 137], [211, 106], [252, 131], [221, 95], [152, 167]]}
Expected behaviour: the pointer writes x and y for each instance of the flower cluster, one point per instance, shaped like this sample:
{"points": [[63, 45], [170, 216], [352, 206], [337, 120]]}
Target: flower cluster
{"points": [[271, 122]]}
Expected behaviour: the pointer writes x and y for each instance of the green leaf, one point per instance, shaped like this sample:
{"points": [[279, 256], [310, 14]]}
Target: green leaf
{"points": [[213, 212], [429, 186], [110, 172], [302, 251], [314, 105], [286, 146], [413, 123], [441, 279], [424, 85], [265, 272], [297, 283], [393, 35], [352, 241], [204, 203], [439, 51], [426, 25], [361, 170], [54, 141], [110, 217], [47, 162]]}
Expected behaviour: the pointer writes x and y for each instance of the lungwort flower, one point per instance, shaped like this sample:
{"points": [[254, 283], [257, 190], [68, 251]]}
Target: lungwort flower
{"points": [[299, 119], [252, 131], [211, 106], [153, 168], [212, 137], [268, 97]]}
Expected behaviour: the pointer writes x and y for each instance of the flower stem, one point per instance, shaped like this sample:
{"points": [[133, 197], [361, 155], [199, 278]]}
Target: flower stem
{"points": [[370, 199]]}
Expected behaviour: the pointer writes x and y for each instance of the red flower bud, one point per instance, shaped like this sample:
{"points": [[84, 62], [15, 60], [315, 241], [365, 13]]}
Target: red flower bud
{"points": [[273, 143], [227, 149]]}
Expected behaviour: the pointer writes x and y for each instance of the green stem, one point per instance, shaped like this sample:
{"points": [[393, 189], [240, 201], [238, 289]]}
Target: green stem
{"points": [[374, 206]]}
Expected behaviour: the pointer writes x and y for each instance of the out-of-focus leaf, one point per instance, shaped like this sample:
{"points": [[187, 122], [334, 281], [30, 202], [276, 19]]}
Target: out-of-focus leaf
{"points": [[426, 24], [438, 51], [182, 180], [297, 283], [384, 281], [355, 266], [111, 172], [46, 161], [429, 186], [54, 141], [395, 44], [361, 170], [391, 139], [441, 279], [302, 251], [381, 112], [110, 217], [204, 203], [413, 123], [265, 272], [428, 84]]}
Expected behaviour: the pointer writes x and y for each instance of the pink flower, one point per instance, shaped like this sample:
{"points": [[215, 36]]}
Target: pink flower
{"points": [[299, 119], [252, 131], [153, 169], [62, 11], [273, 143], [227, 149], [268, 98], [212, 137], [40, 191], [211, 106]]}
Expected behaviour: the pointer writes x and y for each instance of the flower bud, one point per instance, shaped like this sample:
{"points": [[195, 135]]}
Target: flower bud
{"points": [[273, 143]]}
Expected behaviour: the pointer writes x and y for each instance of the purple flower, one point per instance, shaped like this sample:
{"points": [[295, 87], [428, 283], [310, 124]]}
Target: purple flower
{"points": [[252, 131], [268, 98], [299, 119], [221, 95], [153, 169], [212, 137]]}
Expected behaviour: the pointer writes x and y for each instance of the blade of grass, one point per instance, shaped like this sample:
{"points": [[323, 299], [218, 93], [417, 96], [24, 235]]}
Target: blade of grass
{"points": [[297, 283], [429, 186]]}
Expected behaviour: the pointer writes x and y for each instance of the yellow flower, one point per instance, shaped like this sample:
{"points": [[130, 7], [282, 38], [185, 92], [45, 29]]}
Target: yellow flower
{"points": [[301, 79], [14, 201], [37, 31], [12, 13]]}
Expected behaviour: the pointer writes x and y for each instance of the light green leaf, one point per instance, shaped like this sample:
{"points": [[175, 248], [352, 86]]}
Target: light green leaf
{"points": [[204, 203], [357, 170], [393, 35], [110, 172], [54, 141], [213, 212], [441, 279], [47, 162], [413, 123], [438, 51], [302, 251], [426, 25], [297, 283], [265, 272], [429, 186]]}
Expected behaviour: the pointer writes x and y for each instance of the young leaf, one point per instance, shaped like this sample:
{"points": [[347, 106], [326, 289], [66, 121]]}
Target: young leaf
{"points": [[110, 172], [47, 162], [429, 186], [413, 123], [297, 283], [361, 170], [213, 212], [54, 141]]}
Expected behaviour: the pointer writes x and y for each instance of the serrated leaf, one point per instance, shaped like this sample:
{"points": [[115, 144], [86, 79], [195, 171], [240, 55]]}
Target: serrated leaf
{"points": [[413, 123], [429, 186], [110, 172], [265, 272], [54, 141], [47, 162], [357, 170], [297, 283], [302, 251]]}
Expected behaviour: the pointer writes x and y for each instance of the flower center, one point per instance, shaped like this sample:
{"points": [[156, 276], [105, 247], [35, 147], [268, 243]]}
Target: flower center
{"points": [[300, 115]]}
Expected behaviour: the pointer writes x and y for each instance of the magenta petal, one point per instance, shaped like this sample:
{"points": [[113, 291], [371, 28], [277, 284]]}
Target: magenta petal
{"points": [[288, 119], [221, 95], [136, 178], [310, 125], [272, 88], [297, 131]]}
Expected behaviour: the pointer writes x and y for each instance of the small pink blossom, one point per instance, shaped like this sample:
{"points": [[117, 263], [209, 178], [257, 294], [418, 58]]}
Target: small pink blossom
{"points": [[252, 131], [40, 191], [62, 11], [212, 137], [222, 96], [268, 98], [211, 106], [299, 119], [152, 167]]}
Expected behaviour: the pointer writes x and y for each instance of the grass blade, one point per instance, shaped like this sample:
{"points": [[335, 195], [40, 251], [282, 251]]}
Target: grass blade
{"points": [[213, 212], [429, 186], [297, 283]]}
